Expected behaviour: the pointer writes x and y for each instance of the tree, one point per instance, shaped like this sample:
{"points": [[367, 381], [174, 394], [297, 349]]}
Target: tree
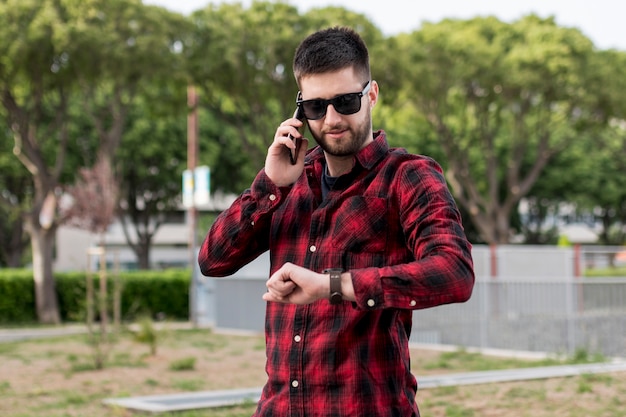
{"points": [[601, 193], [15, 191], [136, 49], [47, 49], [34, 85], [503, 100], [240, 60], [150, 166], [132, 47], [94, 199], [603, 190], [589, 175]]}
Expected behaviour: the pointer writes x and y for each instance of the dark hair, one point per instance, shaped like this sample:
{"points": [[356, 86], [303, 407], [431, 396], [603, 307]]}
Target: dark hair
{"points": [[331, 49]]}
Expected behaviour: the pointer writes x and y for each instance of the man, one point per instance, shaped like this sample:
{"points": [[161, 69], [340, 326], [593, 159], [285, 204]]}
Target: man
{"points": [[359, 236]]}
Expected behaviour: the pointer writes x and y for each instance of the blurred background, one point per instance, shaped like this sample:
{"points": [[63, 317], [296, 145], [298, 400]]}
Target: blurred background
{"points": [[129, 125]]}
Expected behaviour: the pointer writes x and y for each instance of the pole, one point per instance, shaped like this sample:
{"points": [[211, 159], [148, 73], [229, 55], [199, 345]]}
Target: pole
{"points": [[192, 162]]}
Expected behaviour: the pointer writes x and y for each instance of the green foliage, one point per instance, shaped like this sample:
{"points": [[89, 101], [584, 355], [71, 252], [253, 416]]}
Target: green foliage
{"points": [[151, 293], [461, 359], [147, 334], [584, 356], [183, 364], [458, 411], [5, 387], [15, 192], [17, 299], [193, 384], [618, 271], [156, 293], [503, 100], [506, 108]]}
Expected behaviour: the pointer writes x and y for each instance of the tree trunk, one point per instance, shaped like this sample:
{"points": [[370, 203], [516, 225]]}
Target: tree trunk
{"points": [[42, 243], [494, 226], [143, 255], [503, 229]]}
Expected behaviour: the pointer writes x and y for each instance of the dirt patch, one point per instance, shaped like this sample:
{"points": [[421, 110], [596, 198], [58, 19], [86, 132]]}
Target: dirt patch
{"points": [[55, 378]]}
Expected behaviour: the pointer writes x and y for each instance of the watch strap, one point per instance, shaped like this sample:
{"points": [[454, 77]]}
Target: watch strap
{"points": [[336, 297]]}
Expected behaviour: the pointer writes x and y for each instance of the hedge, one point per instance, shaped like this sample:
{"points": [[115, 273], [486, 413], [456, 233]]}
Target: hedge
{"points": [[17, 296], [155, 293]]}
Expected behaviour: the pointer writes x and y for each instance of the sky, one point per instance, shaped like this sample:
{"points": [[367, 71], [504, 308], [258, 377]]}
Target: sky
{"points": [[602, 21]]}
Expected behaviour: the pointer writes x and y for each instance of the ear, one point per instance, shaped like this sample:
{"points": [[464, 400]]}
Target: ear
{"points": [[373, 93]]}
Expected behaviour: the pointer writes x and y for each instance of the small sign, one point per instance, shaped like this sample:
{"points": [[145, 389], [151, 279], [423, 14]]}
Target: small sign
{"points": [[202, 183], [188, 188], [196, 187]]}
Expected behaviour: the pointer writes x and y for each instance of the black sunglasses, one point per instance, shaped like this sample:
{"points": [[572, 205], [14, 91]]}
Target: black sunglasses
{"points": [[345, 104]]}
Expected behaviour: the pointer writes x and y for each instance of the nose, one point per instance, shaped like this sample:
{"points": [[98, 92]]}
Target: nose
{"points": [[332, 115]]}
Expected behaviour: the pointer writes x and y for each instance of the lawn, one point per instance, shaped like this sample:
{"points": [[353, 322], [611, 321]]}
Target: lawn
{"points": [[56, 377], [617, 271]]}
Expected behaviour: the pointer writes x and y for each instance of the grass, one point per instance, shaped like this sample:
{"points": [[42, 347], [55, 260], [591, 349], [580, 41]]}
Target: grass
{"points": [[617, 271], [183, 364], [463, 361], [51, 377]]}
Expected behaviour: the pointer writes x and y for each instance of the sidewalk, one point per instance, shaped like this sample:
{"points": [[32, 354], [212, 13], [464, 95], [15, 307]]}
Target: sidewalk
{"points": [[213, 399], [17, 334]]}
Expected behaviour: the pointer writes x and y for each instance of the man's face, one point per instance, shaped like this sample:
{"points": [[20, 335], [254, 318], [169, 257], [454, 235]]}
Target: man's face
{"points": [[339, 134]]}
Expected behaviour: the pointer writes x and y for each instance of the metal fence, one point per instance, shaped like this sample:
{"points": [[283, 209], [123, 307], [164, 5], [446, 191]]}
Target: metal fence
{"points": [[540, 314], [525, 298]]}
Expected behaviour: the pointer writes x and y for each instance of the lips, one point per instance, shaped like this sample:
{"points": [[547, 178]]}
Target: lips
{"points": [[336, 133]]}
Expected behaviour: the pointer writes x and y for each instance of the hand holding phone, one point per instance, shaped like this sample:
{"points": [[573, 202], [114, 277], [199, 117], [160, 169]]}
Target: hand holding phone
{"points": [[293, 153]]}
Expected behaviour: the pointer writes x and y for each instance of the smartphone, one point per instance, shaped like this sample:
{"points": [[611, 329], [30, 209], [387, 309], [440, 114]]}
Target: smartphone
{"points": [[293, 153]]}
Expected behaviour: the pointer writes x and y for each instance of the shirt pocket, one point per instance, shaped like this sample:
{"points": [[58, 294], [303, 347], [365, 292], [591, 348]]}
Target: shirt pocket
{"points": [[361, 225]]}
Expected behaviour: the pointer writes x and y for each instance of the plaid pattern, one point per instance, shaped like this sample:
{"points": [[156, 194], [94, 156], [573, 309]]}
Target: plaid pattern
{"points": [[394, 225]]}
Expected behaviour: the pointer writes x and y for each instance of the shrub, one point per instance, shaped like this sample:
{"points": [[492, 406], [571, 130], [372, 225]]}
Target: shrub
{"points": [[17, 296], [184, 364], [144, 293]]}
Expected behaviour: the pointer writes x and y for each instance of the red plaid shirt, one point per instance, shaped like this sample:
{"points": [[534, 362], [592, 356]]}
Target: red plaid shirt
{"points": [[394, 225]]}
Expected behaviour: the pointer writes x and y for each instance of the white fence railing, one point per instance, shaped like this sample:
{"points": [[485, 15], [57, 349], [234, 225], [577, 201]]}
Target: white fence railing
{"points": [[525, 298], [542, 314]]}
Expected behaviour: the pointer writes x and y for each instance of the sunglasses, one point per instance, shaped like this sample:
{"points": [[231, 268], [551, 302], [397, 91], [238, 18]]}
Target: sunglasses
{"points": [[345, 104]]}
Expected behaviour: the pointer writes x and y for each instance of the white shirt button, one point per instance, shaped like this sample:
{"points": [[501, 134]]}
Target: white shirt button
{"points": [[295, 383], [312, 248], [252, 223], [371, 302], [413, 303], [297, 338], [272, 197]]}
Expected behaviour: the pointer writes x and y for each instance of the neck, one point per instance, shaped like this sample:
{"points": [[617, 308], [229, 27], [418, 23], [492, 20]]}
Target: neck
{"points": [[339, 165]]}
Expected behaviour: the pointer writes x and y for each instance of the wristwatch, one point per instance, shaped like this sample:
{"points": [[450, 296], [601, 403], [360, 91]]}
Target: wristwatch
{"points": [[336, 297]]}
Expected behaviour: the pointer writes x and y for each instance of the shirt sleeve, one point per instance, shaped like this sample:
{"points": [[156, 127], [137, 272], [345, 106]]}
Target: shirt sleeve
{"points": [[241, 233], [441, 268]]}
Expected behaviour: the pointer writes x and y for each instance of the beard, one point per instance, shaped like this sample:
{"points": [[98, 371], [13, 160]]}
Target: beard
{"points": [[353, 142]]}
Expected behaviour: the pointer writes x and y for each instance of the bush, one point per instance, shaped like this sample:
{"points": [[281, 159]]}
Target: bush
{"points": [[156, 294], [162, 294], [17, 296]]}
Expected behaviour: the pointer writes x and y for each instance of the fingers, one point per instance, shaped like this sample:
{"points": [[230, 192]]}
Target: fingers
{"points": [[278, 163], [279, 288], [287, 132], [280, 285], [294, 284]]}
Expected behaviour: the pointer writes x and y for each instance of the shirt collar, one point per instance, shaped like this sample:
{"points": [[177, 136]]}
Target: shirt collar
{"points": [[373, 152]]}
